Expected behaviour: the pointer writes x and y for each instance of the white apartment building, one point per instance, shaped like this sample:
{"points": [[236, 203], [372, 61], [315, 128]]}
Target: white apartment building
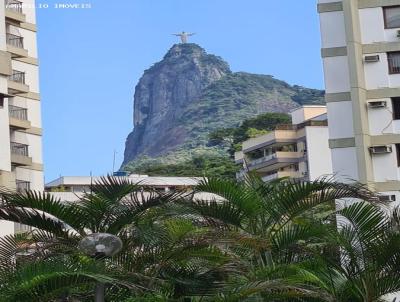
{"points": [[71, 188], [299, 150], [361, 58], [21, 165]]}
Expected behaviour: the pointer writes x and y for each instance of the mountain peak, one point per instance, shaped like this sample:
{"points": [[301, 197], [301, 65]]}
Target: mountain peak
{"points": [[163, 93], [185, 49], [189, 93]]}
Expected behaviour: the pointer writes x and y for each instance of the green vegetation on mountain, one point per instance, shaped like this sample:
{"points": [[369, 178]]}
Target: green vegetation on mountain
{"points": [[216, 158], [206, 163], [261, 124], [188, 99], [238, 97]]}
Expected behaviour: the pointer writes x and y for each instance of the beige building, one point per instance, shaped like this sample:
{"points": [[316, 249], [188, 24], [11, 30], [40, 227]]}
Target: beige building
{"points": [[299, 150], [361, 58], [21, 165]]}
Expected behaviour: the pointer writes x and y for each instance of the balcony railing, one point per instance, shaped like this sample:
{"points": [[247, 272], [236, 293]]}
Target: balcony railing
{"points": [[19, 149], [270, 177], [394, 62], [18, 112], [23, 185], [302, 125], [262, 159], [14, 5], [17, 76], [14, 40]]}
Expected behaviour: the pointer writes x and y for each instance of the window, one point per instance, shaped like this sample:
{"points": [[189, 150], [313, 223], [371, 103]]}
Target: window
{"points": [[398, 154], [1, 101], [391, 15], [396, 108], [394, 62]]}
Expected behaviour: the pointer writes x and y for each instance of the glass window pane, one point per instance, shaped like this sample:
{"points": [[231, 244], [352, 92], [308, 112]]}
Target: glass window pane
{"points": [[394, 62], [396, 108], [392, 17]]}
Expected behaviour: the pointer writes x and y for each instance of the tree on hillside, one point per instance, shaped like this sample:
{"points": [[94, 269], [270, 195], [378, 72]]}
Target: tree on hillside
{"points": [[233, 137]]}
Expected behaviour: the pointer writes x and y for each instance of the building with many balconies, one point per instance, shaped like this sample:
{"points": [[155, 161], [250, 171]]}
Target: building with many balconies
{"points": [[299, 150], [361, 58], [21, 165]]}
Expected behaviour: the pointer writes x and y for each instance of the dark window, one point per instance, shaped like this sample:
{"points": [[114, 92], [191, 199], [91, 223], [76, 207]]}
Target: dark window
{"points": [[396, 108], [1, 101], [392, 16], [398, 154], [394, 62]]}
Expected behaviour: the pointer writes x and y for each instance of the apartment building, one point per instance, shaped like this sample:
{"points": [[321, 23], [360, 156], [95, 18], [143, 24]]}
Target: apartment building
{"points": [[299, 150], [71, 188], [21, 165], [361, 58]]}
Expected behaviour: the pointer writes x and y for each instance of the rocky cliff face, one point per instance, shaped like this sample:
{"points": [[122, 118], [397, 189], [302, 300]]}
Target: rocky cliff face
{"points": [[190, 93], [164, 92]]}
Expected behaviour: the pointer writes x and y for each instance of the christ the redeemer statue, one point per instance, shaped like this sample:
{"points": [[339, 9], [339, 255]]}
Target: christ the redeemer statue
{"points": [[184, 36]]}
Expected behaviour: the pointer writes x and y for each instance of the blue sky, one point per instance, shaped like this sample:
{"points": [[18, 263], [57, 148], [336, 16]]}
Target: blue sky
{"points": [[91, 60]]}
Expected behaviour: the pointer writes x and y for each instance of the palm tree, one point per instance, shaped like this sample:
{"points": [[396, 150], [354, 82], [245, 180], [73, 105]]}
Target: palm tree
{"points": [[286, 244], [277, 241], [160, 253]]}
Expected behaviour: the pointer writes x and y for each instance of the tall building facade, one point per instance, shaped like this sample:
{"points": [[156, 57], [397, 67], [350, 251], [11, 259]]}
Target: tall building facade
{"points": [[21, 165], [361, 58]]}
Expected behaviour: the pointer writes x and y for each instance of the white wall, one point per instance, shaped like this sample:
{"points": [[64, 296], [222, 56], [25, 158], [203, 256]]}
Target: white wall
{"points": [[318, 152], [381, 119], [4, 138], [336, 73], [377, 33], [371, 34], [29, 10], [29, 42], [377, 73], [333, 32], [344, 163], [385, 166], [3, 45], [340, 117], [6, 228]]}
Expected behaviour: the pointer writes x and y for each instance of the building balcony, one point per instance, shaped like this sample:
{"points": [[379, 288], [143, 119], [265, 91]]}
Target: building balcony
{"points": [[15, 46], [274, 138], [22, 185], [16, 83], [14, 10], [282, 174], [275, 161], [20, 154], [18, 117]]}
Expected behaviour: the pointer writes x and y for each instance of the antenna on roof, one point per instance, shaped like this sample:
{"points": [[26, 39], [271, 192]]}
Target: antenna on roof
{"points": [[113, 169]]}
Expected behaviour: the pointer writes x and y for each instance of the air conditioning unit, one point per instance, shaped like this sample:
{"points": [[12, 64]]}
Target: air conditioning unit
{"points": [[305, 173], [380, 149], [387, 198], [371, 59], [398, 34], [377, 104]]}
